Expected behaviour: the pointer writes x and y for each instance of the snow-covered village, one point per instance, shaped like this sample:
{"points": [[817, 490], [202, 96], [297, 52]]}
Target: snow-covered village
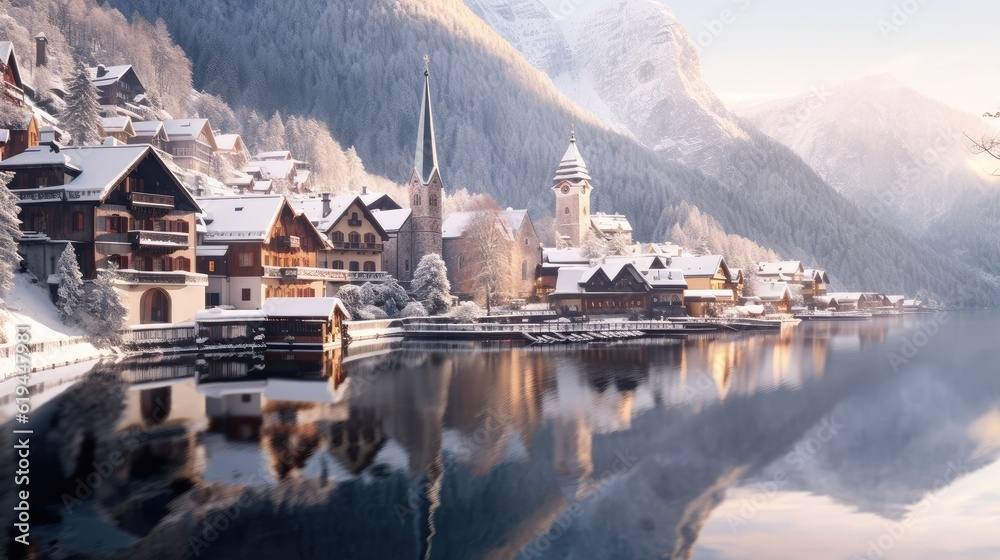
{"points": [[374, 282]]}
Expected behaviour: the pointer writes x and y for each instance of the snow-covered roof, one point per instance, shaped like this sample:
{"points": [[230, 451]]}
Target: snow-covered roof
{"points": [[391, 220], [572, 167], [564, 256], [312, 207], [610, 223], [709, 295], [666, 278], [112, 125], [642, 263], [229, 143], [147, 128], [189, 129], [211, 250], [111, 74], [274, 156], [6, 49], [774, 291], [779, 268], [4, 135], [217, 314], [262, 186], [240, 218], [272, 169], [100, 168], [372, 198], [303, 307], [896, 300], [610, 269], [456, 223], [568, 280], [816, 274], [697, 266]]}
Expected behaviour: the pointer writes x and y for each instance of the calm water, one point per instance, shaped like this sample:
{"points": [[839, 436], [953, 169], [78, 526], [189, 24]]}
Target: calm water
{"points": [[877, 439]]}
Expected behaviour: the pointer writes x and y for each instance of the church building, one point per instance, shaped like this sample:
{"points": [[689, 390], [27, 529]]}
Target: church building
{"points": [[425, 188]]}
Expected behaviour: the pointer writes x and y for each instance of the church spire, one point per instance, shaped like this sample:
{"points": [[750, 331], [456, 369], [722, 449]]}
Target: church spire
{"points": [[426, 161], [572, 167]]}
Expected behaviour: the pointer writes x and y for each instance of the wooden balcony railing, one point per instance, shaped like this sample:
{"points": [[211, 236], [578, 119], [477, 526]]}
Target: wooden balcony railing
{"points": [[159, 240], [359, 246], [146, 200]]}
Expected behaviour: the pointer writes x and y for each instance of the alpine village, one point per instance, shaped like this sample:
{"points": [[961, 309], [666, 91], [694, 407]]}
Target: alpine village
{"points": [[157, 234]]}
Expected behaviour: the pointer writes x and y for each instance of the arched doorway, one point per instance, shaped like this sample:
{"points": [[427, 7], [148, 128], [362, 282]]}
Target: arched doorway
{"points": [[154, 307]]}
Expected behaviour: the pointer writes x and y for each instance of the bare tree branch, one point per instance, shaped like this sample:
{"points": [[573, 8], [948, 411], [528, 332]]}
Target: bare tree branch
{"points": [[987, 144]]}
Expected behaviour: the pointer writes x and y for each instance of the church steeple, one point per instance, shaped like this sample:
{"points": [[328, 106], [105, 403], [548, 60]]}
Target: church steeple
{"points": [[572, 189], [425, 189], [426, 161]]}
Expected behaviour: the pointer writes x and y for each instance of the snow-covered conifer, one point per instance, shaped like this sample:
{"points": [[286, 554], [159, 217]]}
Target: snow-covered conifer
{"points": [[430, 284], [10, 233], [71, 292], [82, 116], [106, 313]]}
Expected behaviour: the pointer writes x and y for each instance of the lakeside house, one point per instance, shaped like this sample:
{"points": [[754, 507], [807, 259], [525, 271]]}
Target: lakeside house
{"points": [[116, 205], [257, 247], [356, 238]]}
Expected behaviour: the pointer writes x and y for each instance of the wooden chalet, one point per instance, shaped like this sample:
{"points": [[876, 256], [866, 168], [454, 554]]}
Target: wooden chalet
{"points": [[117, 205], [610, 289], [119, 90]]}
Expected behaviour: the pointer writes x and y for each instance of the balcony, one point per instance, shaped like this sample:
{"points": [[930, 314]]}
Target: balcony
{"points": [[359, 246], [289, 242], [166, 241], [129, 276], [325, 274], [354, 223], [151, 201]]}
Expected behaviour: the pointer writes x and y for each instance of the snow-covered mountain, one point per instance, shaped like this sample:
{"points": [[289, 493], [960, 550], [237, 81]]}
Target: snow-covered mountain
{"points": [[886, 147], [630, 63]]}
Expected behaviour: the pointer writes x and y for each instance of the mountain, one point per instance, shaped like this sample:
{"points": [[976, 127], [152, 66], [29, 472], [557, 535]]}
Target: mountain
{"points": [[884, 146], [502, 125]]}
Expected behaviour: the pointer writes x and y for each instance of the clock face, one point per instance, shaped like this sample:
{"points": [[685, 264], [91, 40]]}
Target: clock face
{"points": [[565, 189]]}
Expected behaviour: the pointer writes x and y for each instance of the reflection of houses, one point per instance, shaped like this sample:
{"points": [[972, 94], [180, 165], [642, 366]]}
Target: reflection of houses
{"points": [[116, 205], [461, 255], [266, 247]]}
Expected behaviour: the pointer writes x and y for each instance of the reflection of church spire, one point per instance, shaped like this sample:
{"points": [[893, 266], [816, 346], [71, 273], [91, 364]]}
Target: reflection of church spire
{"points": [[430, 497]]}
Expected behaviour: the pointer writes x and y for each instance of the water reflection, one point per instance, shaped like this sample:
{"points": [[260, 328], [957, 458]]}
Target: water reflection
{"points": [[619, 451]]}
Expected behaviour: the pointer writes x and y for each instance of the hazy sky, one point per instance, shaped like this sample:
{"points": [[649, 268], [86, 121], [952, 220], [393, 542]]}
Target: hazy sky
{"points": [[948, 49]]}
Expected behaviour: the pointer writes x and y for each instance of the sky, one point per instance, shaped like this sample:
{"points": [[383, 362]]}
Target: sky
{"points": [[757, 50]]}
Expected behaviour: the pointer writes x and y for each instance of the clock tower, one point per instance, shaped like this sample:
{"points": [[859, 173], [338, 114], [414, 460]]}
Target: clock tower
{"points": [[571, 186]]}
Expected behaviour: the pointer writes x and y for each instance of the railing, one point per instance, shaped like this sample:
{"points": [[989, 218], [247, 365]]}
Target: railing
{"points": [[329, 274], [151, 200], [129, 276], [289, 242], [159, 335], [533, 328], [360, 246], [146, 239]]}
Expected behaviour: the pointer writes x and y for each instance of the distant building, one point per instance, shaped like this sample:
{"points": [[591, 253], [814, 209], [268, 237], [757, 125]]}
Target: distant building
{"points": [[22, 126], [119, 90], [190, 142], [119, 128], [460, 256], [356, 237]]}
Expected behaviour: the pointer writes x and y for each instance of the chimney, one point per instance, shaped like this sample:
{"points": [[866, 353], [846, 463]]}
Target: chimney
{"points": [[40, 58], [326, 204], [364, 190], [101, 70], [47, 135]]}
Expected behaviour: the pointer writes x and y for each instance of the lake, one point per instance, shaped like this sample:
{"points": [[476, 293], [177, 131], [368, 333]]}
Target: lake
{"points": [[839, 440]]}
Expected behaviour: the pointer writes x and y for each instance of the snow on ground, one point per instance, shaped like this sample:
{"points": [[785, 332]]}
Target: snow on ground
{"points": [[28, 304]]}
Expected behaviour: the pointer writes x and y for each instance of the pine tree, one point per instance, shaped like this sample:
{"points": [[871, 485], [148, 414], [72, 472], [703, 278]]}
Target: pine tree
{"points": [[593, 246], [82, 116], [71, 293], [10, 233], [106, 313], [430, 284]]}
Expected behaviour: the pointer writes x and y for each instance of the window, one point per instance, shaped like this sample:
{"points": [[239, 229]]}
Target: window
{"points": [[77, 221], [525, 241], [213, 300], [158, 265], [354, 237], [434, 200], [245, 397], [524, 270], [461, 262], [566, 211], [116, 224], [246, 294], [355, 267], [370, 238], [246, 259], [338, 237], [406, 265], [267, 260], [339, 265], [416, 200], [369, 266], [211, 265], [354, 216], [182, 263]]}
